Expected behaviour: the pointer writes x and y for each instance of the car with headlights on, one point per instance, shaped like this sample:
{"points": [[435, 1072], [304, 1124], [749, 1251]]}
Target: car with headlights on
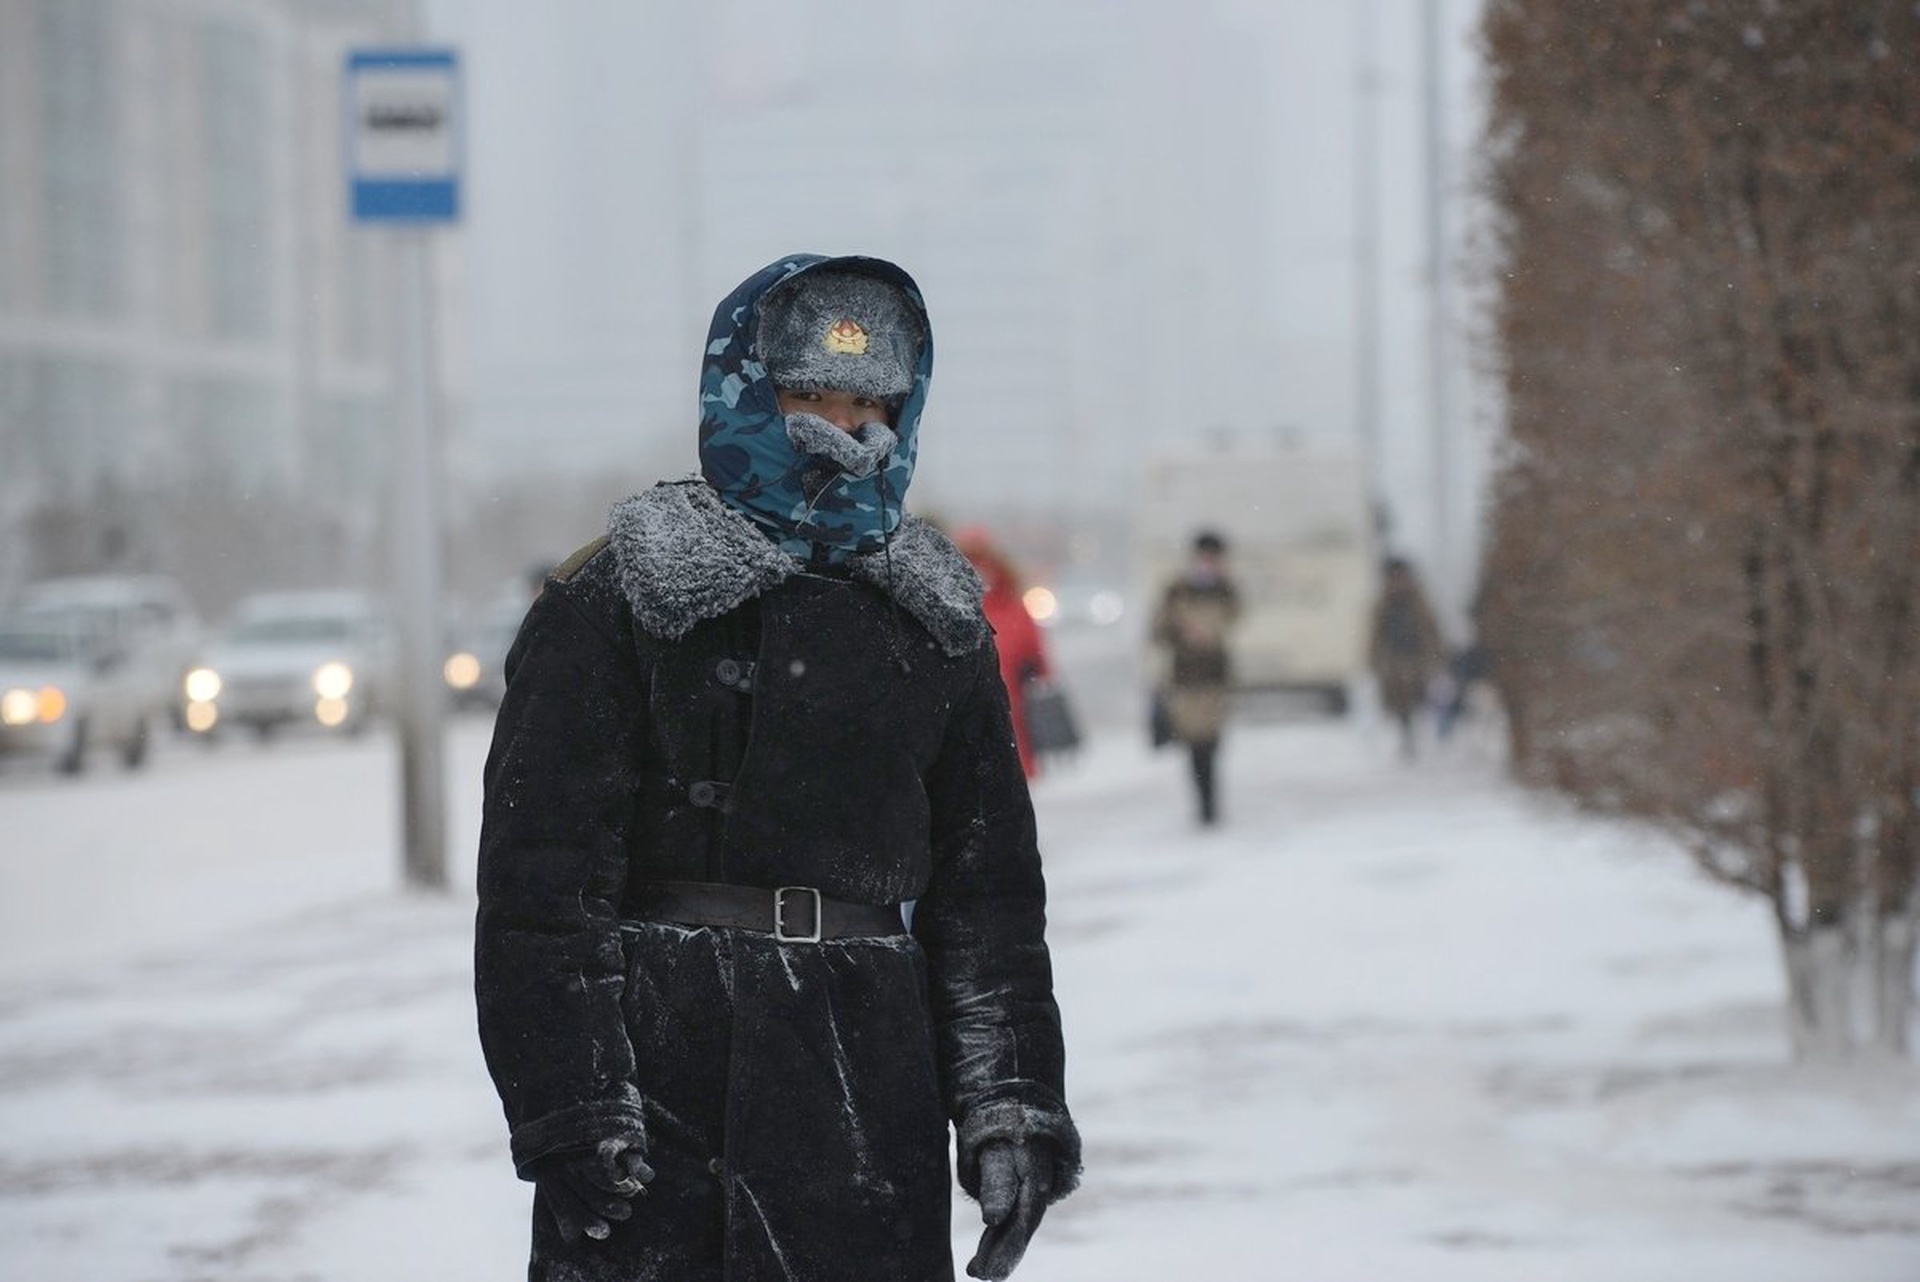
{"points": [[146, 621], [1073, 603], [475, 669], [67, 687], [320, 658]]}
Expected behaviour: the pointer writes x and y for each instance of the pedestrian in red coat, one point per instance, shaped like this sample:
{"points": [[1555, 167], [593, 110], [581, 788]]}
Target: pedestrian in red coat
{"points": [[1023, 655]]}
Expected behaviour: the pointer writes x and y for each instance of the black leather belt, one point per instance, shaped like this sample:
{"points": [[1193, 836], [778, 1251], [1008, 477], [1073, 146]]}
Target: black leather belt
{"points": [[791, 914]]}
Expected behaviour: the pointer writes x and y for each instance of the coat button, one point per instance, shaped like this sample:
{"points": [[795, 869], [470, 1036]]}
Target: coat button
{"points": [[703, 793], [728, 670], [716, 1168]]}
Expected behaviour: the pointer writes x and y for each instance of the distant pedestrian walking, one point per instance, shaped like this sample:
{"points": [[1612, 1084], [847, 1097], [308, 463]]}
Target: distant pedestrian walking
{"points": [[1406, 650], [1196, 613]]}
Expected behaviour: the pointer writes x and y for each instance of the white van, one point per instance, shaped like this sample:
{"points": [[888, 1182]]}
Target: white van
{"points": [[1300, 547]]}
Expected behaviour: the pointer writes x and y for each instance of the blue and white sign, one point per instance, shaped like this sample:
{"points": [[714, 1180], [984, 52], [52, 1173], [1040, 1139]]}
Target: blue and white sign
{"points": [[403, 135]]}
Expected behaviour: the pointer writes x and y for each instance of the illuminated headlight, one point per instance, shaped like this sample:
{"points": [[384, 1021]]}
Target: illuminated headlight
{"points": [[19, 708], [24, 707], [203, 685], [462, 670], [1041, 604], [331, 681]]}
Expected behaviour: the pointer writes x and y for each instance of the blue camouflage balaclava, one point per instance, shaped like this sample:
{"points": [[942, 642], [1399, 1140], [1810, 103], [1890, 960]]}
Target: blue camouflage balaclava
{"points": [[845, 324]]}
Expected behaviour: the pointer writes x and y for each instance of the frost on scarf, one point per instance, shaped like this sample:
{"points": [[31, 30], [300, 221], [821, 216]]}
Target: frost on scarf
{"points": [[684, 557]]}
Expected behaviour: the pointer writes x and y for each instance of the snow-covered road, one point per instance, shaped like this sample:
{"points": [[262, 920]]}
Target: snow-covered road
{"points": [[1387, 1022]]}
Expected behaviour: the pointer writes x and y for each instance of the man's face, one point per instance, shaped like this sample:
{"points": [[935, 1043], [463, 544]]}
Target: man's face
{"points": [[844, 410]]}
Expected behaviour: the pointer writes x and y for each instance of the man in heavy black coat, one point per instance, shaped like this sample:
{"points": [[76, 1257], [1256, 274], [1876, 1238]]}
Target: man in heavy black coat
{"points": [[747, 735]]}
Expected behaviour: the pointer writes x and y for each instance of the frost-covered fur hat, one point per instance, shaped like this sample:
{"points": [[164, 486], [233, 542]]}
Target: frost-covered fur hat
{"points": [[840, 331]]}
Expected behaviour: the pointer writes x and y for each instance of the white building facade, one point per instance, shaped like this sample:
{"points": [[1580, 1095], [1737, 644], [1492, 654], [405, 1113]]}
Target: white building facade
{"points": [[183, 302]]}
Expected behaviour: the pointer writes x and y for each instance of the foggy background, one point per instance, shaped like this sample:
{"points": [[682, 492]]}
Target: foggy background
{"points": [[1138, 226], [1135, 225]]}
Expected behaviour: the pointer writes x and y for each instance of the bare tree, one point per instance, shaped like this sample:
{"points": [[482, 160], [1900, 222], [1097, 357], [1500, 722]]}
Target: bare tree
{"points": [[1706, 553]]}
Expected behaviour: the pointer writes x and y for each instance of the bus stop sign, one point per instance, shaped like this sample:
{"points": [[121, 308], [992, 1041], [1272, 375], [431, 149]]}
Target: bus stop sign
{"points": [[403, 135]]}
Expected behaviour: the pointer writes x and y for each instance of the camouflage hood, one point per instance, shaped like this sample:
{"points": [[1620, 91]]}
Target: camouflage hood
{"points": [[817, 493]]}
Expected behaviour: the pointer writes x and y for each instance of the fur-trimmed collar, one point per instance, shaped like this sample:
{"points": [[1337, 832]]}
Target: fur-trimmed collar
{"points": [[684, 556]]}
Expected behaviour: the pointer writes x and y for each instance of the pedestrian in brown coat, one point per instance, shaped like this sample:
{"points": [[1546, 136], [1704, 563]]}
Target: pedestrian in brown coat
{"points": [[1406, 650], [1196, 613]]}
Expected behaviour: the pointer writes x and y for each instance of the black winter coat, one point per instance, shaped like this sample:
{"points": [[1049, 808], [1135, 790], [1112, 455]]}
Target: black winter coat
{"points": [[684, 702]]}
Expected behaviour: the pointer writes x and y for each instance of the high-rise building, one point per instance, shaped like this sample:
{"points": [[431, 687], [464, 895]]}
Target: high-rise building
{"points": [[183, 303]]}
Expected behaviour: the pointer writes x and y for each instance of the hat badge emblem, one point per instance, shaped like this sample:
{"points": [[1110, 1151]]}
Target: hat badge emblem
{"points": [[846, 338]]}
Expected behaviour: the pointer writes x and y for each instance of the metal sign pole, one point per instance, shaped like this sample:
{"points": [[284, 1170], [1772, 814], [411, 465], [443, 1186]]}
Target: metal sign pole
{"points": [[1448, 593], [1366, 266], [404, 144], [417, 571]]}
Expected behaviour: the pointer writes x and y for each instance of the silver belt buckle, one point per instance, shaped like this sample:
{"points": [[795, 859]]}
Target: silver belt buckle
{"points": [[780, 915]]}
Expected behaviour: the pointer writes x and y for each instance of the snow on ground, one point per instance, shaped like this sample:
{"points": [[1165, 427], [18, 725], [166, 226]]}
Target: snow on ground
{"points": [[1387, 1022]]}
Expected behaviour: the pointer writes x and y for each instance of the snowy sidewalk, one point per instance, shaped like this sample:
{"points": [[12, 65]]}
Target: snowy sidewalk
{"points": [[1408, 1023], [1387, 1023]]}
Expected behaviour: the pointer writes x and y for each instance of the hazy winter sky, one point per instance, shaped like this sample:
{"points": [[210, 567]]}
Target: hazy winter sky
{"points": [[563, 296]]}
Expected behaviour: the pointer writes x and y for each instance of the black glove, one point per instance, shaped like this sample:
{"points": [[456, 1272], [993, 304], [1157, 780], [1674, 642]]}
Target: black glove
{"points": [[1015, 1181], [585, 1189]]}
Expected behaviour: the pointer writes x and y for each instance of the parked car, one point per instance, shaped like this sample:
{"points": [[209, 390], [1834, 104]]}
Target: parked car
{"points": [[321, 658], [66, 687], [147, 622]]}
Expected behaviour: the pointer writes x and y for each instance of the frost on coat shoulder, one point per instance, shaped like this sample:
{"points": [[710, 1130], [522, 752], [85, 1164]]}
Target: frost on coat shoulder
{"points": [[689, 704]]}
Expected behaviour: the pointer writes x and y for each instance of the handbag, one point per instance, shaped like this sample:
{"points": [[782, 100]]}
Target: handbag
{"points": [[1051, 726], [1159, 720]]}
